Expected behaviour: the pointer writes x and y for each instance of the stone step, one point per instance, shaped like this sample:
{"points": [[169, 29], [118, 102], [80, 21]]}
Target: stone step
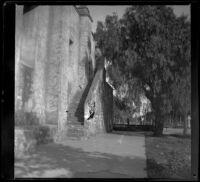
{"points": [[74, 122], [75, 119], [75, 130], [75, 127], [70, 136], [74, 112], [73, 108], [76, 116], [75, 104], [78, 134], [73, 115]]}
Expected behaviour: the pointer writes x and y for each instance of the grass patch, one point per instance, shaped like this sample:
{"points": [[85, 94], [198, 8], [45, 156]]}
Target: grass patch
{"points": [[168, 157]]}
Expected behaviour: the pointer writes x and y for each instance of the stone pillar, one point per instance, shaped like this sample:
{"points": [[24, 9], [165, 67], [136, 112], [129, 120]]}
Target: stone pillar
{"points": [[53, 65], [18, 32], [64, 58], [85, 31], [42, 17]]}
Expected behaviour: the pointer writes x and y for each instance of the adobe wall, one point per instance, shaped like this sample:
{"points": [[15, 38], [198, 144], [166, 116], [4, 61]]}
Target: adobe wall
{"points": [[41, 59], [57, 45], [31, 63], [98, 107], [85, 31], [52, 77], [63, 59], [18, 80], [62, 62], [93, 115], [81, 80], [73, 62]]}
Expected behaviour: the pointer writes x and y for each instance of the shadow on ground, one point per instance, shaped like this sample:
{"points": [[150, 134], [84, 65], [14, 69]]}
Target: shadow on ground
{"points": [[130, 133], [56, 160], [178, 135], [168, 156]]}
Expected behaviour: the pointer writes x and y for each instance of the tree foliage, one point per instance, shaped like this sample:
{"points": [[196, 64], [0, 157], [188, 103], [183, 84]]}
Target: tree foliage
{"points": [[149, 48]]}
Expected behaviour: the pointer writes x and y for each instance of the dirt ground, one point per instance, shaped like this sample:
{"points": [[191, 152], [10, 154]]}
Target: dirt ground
{"points": [[169, 156], [117, 155]]}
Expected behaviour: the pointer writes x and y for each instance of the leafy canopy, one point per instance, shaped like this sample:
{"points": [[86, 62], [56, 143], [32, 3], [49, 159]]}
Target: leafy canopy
{"points": [[149, 48]]}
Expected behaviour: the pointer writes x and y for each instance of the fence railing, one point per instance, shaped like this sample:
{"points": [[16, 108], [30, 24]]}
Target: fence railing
{"points": [[133, 127]]}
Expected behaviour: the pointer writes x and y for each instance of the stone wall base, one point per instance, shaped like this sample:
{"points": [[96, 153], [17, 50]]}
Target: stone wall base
{"points": [[27, 139], [24, 142]]}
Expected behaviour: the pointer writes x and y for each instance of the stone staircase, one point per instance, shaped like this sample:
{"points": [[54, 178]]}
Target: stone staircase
{"points": [[75, 130], [74, 114], [75, 119]]}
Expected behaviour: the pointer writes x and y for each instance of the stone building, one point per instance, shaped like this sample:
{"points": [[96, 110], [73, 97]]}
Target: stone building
{"points": [[57, 78]]}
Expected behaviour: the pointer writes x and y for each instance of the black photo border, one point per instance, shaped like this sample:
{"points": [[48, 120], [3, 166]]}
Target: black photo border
{"points": [[8, 67]]}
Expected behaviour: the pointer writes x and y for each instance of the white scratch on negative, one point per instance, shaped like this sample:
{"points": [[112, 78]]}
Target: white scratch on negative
{"points": [[120, 140]]}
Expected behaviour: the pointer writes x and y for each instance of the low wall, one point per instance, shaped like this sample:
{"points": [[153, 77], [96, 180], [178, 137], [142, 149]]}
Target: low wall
{"points": [[93, 108], [98, 107], [125, 127]]}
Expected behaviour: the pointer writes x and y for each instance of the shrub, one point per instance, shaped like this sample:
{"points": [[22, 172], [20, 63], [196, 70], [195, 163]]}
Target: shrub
{"points": [[32, 119], [20, 118], [26, 119], [42, 134]]}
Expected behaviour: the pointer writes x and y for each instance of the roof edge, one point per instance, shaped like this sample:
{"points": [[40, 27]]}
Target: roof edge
{"points": [[83, 11]]}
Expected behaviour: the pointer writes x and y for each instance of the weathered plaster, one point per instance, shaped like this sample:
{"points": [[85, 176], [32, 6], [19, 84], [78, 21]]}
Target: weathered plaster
{"points": [[56, 42]]}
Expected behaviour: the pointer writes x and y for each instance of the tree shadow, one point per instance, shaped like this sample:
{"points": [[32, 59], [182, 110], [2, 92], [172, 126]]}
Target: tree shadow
{"points": [[163, 160], [56, 160]]}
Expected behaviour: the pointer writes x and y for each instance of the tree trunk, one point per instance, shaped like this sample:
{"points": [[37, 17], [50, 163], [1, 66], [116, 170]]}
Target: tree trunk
{"points": [[185, 125], [159, 125]]}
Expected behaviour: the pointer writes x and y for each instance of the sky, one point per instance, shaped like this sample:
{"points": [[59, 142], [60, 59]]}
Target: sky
{"points": [[98, 13]]}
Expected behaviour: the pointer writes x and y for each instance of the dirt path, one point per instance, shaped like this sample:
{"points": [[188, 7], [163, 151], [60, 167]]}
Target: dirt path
{"points": [[106, 156]]}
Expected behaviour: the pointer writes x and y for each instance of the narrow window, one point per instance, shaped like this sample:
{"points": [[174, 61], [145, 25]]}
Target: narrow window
{"points": [[89, 45], [70, 51]]}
